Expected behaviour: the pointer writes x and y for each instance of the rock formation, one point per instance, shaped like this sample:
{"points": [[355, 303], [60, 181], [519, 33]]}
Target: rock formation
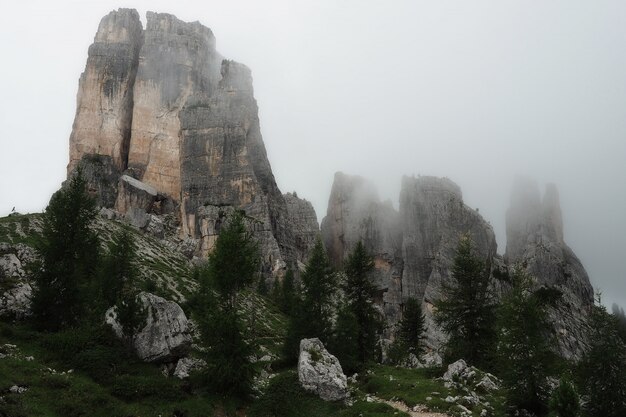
{"points": [[356, 213], [166, 335], [413, 249], [15, 288], [320, 372], [304, 226], [535, 241], [164, 124]]}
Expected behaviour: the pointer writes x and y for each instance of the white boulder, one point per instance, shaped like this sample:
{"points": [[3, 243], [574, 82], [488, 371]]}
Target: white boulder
{"points": [[320, 372]]}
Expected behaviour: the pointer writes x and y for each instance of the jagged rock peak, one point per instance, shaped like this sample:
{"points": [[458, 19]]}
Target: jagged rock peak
{"points": [[104, 107], [303, 220]]}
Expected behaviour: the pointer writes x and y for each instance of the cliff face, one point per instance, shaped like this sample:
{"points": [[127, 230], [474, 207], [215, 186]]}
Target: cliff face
{"points": [[355, 213], [105, 91], [160, 110], [304, 226], [535, 242]]}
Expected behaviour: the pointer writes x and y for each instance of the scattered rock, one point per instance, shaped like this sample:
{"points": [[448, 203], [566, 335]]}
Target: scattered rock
{"points": [[16, 389], [320, 372], [185, 366], [166, 335]]}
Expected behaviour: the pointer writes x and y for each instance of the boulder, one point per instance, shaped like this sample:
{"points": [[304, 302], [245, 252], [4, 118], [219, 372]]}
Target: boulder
{"points": [[166, 335], [320, 372], [185, 366], [15, 287]]}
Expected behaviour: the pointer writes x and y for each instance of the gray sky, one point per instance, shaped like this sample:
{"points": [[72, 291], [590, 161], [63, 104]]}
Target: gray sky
{"points": [[478, 91]]}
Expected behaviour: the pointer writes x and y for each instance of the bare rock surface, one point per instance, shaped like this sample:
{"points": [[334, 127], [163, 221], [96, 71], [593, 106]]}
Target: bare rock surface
{"points": [[15, 286], [304, 226], [536, 243], [166, 335], [320, 372]]}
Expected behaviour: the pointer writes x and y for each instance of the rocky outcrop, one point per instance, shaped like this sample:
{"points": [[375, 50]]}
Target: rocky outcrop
{"points": [[105, 91], [535, 241], [355, 213], [187, 134], [413, 249], [320, 372], [177, 60], [166, 335], [15, 287], [185, 366], [304, 226]]}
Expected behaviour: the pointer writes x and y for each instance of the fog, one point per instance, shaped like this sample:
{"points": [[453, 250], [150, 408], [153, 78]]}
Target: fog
{"points": [[478, 91]]}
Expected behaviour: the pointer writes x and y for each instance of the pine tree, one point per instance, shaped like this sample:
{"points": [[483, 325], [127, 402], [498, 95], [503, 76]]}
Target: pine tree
{"points": [[565, 401], [312, 313], [68, 250], [467, 309], [604, 366], [231, 267], [234, 262], [345, 341], [119, 283], [412, 327], [524, 357], [360, 292]]}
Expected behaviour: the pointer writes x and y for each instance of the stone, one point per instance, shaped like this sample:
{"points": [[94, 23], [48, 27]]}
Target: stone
{"points": [[535, 242], [185, 366], [132, 193], [320, 373], [455, 370], [16, 389], [304, 226], [166, 334], [15, 287], [105, 92]]}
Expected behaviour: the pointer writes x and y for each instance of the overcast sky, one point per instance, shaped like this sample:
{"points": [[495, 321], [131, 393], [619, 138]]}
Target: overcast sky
{"points": [[478, 91]]}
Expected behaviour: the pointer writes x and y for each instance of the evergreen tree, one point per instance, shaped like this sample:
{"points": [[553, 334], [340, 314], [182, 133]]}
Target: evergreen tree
{"points": [[231, 267], [604, 366], [68, 250], [360, 292], [565, 401], [345, 341], [234, 261], [119, 283], [289, 293], [467, 309], [524, 356], [412, 327], [312, 313], [618, 312]]}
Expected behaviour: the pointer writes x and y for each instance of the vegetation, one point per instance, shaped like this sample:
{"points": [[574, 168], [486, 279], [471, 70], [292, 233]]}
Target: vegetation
{"points": [[565, 401], [467, 309], [69, 251], [603, 369], [524, 356], [232, 266], [312, 314], [361, 322]]}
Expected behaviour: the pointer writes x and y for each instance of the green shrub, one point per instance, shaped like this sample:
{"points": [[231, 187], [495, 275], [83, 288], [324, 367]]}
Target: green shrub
{"points": [[132, 388]]}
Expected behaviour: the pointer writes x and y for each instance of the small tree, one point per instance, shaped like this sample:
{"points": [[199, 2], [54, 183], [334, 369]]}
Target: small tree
{"points": [[565, 401], [360, 292], [119, 276], [312, 314], [524, 357], [68, 250], [412, 327], [467, 309], [604, 366]]}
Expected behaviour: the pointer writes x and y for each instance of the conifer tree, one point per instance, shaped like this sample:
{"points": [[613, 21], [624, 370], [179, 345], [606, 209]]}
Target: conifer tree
{"points": [[523, 348], [467, 309], [565, 401], [68, 250], [312, 312], [604, 366], [345, 341], [231, 267], [119, 283], [412, 327], [360, 293]]}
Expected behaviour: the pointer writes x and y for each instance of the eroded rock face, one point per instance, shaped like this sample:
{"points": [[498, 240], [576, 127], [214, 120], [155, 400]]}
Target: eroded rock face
{"points": [[355, 213], [535, 241], [166, 335], [187, 138], [320, 372], [177, 59], [304, 226], [105, 92]]}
